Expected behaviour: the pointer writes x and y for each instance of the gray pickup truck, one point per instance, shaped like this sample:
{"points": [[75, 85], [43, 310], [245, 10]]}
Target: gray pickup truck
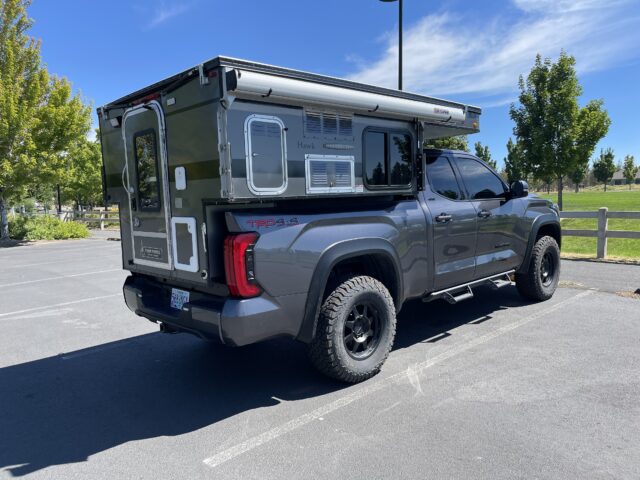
{"points": [[334, 275], [259, 202]]}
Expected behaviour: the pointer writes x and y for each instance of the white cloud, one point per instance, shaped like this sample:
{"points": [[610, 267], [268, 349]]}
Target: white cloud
{"points": [[450, 53], [162, 13]]}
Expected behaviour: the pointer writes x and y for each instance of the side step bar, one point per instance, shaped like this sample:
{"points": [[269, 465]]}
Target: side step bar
{"points": [[462, 292]]}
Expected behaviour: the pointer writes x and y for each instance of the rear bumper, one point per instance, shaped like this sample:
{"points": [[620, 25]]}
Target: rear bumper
{"points": [[234, 322]]}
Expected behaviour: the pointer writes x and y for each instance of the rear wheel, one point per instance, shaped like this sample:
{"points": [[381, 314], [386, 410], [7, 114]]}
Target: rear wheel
{"points": [[356, 328], [541, 279]]}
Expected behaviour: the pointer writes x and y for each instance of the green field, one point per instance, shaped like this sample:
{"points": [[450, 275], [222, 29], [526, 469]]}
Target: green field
{"points": [[616, 201]]}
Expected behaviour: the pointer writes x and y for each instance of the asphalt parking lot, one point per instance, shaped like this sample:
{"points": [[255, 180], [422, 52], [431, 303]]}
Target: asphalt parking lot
{"points": [[491, 388]]}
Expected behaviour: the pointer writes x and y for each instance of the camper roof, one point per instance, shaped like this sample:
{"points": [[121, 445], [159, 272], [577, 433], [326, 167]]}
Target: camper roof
{"points": [[175, 81]]}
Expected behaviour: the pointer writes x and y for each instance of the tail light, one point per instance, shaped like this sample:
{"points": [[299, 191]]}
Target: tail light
{"points": [[239, 265]]}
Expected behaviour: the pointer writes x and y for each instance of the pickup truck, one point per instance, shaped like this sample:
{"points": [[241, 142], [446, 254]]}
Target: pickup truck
{"points": [[334, 273]]}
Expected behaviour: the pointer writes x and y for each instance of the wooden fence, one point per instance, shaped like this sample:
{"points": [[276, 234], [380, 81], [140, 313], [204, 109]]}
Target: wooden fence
{"points": [[96, 217], [602, 233]]}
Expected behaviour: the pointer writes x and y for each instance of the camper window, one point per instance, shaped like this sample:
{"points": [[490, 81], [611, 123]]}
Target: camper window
{"points": [[147, 170], [266, 155], [387, 159]]}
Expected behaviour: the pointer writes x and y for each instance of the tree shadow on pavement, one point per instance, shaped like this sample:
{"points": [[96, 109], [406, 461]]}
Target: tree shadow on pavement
{"points": [[63, 409]]}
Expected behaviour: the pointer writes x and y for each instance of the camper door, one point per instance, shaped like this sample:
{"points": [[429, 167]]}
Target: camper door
{"points": [[146, 181]]}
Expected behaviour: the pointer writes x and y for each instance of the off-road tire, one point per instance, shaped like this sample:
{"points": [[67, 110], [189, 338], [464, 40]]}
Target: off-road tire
{"points": [[533, 284], [328, 350]]}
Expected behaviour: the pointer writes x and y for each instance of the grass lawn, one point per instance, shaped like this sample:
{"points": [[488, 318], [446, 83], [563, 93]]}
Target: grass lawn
{"points": [[618, 200]]}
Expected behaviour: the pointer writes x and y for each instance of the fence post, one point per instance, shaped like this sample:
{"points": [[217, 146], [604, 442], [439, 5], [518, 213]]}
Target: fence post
{"points": [[602, 232], [101, 220]]}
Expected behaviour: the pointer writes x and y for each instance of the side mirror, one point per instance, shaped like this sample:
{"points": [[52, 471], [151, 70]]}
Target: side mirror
{"points": [[519, 189]]}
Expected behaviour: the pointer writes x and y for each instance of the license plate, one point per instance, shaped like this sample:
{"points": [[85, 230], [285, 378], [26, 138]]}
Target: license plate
{"points": [[178, 298]]}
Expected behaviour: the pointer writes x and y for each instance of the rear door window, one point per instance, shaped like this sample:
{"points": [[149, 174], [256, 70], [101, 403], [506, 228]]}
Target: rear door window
{"points": [[442, 178], [480, 181], [146, 154]]}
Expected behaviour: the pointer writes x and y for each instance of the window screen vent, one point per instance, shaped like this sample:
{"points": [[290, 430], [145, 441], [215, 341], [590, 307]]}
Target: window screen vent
{"points": [[345, 126], [328, 124], [330, 174], [313, 123]]}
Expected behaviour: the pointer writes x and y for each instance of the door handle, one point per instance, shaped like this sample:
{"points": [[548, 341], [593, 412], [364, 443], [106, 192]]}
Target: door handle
{"points": [[443, 218], [484, 214]]}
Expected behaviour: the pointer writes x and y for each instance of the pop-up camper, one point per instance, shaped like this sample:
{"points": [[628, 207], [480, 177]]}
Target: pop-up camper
{"points": [[229, 134]]}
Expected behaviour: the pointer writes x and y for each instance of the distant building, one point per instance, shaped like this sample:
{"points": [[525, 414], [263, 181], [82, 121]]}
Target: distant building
{"points": [[618, 178]]}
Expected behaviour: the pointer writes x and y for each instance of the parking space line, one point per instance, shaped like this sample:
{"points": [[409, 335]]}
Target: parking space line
{"points": [[53, 262], [57, 305], [27, 282], [375, 386], [40, 249]]}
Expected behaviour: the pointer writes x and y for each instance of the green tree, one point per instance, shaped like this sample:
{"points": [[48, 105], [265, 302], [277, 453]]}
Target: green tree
{"points": [[40, 119], [604, 167], [630, 170], [449, 143], [84, 183], [60, 125], [514, 166], [483, 153], [22, 84], [557, 136], [578, 175]]}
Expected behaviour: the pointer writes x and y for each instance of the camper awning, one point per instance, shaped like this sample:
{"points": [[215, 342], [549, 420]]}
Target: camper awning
{"points": [[244, 83]]}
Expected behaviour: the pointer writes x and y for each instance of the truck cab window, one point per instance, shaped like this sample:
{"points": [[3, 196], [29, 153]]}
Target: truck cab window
{"points": [[442, 178], [387, 159], [479, 180], [147, 170]]}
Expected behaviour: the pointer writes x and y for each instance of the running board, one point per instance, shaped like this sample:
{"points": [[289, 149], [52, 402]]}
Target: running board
{"points": [[462, 292], [455, 297]]}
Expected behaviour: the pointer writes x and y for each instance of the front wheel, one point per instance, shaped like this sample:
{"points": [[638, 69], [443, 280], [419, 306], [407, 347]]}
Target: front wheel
{"points": [[541, 279], [356, 328]]}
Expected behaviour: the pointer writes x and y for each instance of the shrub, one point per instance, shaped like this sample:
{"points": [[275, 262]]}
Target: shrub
{"points": [[45, 228]]}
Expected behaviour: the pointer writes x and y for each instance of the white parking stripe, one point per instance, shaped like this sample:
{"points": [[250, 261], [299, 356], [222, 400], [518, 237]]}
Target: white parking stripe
{"points": [[40, 250], [57, 305], [27, 282], [372, 387], [53, 262]]}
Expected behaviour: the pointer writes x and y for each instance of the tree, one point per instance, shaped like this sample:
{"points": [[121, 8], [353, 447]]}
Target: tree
{"points": [[556, 135], [60, 125], [449, 143], [22, 84], [578, 175], [604, 167], [483, 153], [514, 166], [40, 119], [630, 170], [84, 184]]}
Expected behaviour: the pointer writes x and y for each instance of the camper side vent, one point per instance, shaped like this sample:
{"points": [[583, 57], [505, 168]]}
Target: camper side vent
{"points": [[345, 126], [329, 173], [313, 123], [328, 124]]}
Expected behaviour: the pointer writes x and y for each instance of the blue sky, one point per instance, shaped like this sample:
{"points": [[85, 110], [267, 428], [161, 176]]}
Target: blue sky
{"points": [[470, 51]]}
